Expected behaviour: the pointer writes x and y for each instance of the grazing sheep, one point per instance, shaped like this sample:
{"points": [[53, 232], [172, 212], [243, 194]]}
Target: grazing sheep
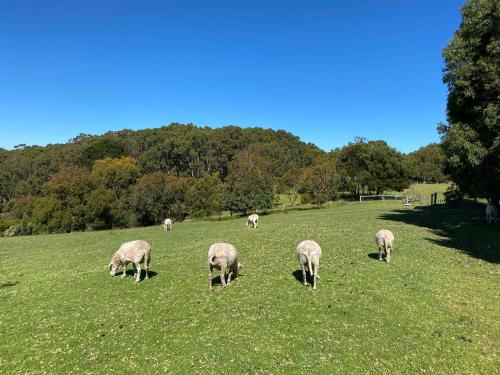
{"points": [[222, 256], [491, 213], [167, 224], [308, 254], [253, 221], [384, 240], [135, 252]]}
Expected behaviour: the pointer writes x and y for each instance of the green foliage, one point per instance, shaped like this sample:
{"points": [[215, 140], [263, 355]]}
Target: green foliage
{"points": [[320, 180], [101, 148], [20, 207], [248, 186], [62, 208], [157, 196], [118, 175], [426, 165], [100, 209], [204, 196], [371, 167], [186, 170], [471, 140], [22, 228], [453, 194]]}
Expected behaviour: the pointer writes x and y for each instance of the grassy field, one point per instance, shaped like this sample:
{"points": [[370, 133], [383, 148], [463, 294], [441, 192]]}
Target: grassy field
{"points": [[434, 309]]}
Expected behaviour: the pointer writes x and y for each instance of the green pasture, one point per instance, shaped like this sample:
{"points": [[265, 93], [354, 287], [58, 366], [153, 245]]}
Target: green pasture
{"points": [[434, 309]]}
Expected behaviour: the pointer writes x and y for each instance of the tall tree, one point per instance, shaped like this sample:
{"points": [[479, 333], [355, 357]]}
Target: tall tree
{"points": [[372, 167], [471, 139], [248, 187], [204, 196], [320, 180], [427, 164], [157, 196]]}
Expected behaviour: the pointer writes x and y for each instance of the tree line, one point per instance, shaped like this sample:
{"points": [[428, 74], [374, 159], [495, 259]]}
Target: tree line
{"points": [[471, 137], [136, 178]]}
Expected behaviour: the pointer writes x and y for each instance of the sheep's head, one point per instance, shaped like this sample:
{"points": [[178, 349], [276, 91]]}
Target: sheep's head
{"points": [[112, 269], [113, 265]]}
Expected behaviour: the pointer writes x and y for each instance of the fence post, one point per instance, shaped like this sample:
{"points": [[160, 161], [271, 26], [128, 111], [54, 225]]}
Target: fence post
{"points": [[434, 197]]}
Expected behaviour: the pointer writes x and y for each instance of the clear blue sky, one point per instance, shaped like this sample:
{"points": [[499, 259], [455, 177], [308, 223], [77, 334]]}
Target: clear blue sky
{"points": [[327, 71]]}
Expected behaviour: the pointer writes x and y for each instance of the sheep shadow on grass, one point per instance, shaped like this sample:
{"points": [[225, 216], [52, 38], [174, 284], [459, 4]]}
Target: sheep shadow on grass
{"points": [[459, 226], [373, 256], [130, 272], [216, 281], [298, 276]]}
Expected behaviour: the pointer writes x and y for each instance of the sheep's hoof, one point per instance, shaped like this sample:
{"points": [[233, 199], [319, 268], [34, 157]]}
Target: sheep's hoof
{"points": [[123, 276]]}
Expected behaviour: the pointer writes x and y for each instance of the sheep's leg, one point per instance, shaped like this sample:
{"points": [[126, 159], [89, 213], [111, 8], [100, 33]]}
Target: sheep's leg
{"points": [[379, 253], [388, 255], [210, 278], [315, 275], [304, 273], [229, 277], [146, 265], [316, 270], [223, 276], [138, 278], [125, 269]]}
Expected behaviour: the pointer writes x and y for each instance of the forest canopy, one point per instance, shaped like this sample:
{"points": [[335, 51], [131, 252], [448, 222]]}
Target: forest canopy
{"points": [[133, 178]]}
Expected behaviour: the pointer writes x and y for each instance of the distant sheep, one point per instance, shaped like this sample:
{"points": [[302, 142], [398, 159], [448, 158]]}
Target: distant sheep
{"points": [[308, 254], [167, 224], [253, 221], [384, 240], [222, 256], [134, 252], [491, 213]]}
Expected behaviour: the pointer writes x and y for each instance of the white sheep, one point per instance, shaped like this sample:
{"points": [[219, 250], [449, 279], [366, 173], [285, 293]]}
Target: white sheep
{"points": [[491, 213], [222, 256], [167, 224], [134, 252], [253, 221], [308, 254], [384, 239]]}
